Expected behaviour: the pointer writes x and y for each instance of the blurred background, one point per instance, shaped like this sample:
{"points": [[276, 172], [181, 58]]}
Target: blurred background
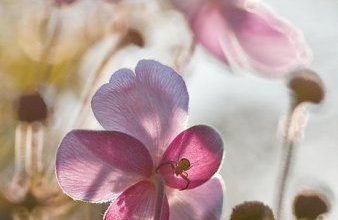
{"points": [[55, 54]]}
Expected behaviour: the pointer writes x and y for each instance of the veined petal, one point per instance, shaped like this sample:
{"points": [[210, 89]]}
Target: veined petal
{"points": [[137, 202], [97, 166], [270, 43], [150, 105], [202, 146], [204, 202]]}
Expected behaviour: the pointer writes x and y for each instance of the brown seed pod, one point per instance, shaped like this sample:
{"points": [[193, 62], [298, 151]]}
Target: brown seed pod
{"points": [[252, 210], [310, 205], [31, 108], [306, 86]]}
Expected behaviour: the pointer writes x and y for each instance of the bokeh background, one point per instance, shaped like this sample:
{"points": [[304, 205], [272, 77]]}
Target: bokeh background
{"points": [[66, 51]]}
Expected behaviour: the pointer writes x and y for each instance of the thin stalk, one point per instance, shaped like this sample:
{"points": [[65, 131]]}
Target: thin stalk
{"points": [[159, 197], [28, 145], [19, 149], [37, 146], [288, 153], [34, 145]]}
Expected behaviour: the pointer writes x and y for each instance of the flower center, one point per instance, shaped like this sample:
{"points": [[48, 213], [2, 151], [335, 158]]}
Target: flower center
{"points": [[179, 169]]}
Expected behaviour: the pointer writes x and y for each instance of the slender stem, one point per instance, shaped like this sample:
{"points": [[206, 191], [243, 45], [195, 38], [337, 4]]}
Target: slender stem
{"points": [[285, 174], [159, 197], [37, 146], [19, 149], [288, 155], [28, 145], [34, 145]]}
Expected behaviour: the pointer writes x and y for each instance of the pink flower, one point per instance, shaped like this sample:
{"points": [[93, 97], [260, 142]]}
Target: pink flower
{"points": [[246, 34], [145, 114]]}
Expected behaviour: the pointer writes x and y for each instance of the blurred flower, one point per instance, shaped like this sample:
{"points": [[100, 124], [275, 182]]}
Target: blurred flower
{"points": [[28, 194], [246, 34], [43, 44], [144, 163]]}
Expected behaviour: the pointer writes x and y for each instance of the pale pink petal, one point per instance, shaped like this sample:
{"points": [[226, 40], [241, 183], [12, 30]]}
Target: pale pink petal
{"points": [[97, 166], [150, 105], [249, 36], [137, 202], [270, 43], [212, 30], [203, 147], [204, 202]]}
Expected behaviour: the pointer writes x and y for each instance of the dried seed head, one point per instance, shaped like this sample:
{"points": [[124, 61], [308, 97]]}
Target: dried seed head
{"points": [[31, 108], [132, 36], [310, 205], [253, 210], [306, 86]]}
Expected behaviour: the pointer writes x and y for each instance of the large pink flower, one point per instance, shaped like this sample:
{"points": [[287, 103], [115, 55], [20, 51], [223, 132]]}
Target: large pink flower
{"points": [[246, 34], [144, 149]]}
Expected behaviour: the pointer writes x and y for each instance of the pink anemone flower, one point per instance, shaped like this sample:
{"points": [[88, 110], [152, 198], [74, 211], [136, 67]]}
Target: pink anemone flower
{"points": [[246, 34], [145, 163]]}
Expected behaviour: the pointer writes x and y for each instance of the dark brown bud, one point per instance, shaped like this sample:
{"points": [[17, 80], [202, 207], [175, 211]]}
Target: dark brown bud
{"points": [[132, 36], [31, 108], [252, 210], [309, 205], [306, 86]]}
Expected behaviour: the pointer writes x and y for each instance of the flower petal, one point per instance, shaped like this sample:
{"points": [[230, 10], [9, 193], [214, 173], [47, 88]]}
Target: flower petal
{"points": [[204, 202], [270, 43], [97, 166], [137, 202], [249, 35], [210, 28], [150, 105], [203, 147]]}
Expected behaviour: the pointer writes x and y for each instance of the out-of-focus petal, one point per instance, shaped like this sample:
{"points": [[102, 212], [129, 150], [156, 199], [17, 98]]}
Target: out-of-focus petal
{"points": [[204, 202], [212, 30], [97, 166], [189, 7], [150, 105], [270, 43], [137, 202], [203, 147], [249, 35]]}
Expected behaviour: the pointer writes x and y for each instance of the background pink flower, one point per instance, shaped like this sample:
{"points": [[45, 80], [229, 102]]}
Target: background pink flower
{"points": [[145, 114], [246, 34]]}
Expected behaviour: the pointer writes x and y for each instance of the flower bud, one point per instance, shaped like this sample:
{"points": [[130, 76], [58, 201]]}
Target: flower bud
{"points": [[306, 86], [252, 210]]}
